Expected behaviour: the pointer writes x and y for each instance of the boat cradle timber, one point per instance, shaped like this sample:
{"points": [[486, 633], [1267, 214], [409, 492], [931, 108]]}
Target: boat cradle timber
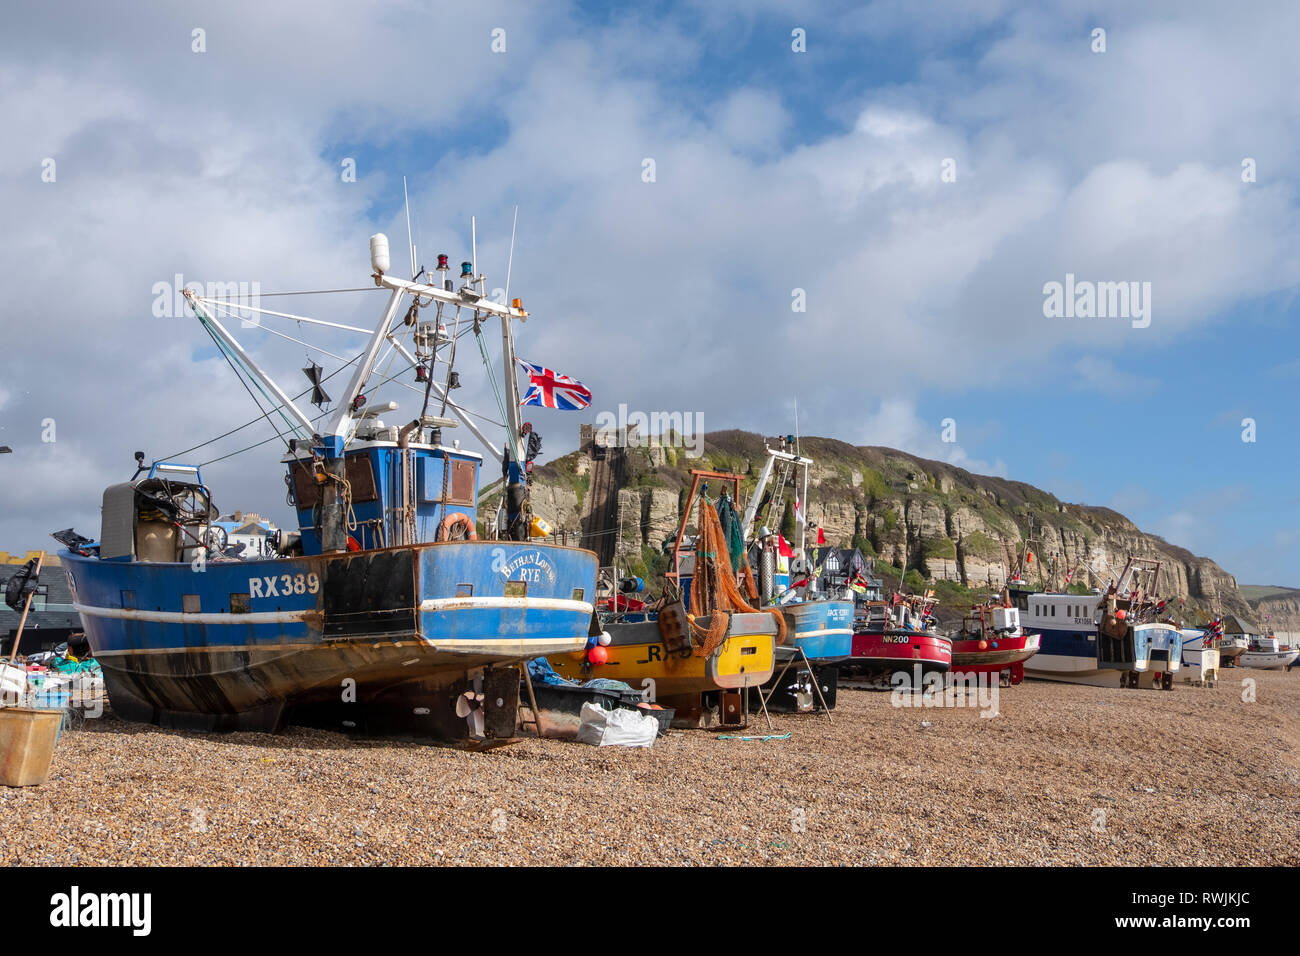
{"points": [[385, 614]]}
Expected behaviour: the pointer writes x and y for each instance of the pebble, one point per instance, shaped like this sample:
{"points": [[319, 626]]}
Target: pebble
{"points": [[1062, 775]]}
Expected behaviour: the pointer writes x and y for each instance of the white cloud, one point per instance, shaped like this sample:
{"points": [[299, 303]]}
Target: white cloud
{"points": [[673, 294], [895, 424]]}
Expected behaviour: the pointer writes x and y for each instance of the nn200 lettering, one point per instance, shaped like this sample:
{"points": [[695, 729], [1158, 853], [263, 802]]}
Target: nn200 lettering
{"points": [[284, 585]]}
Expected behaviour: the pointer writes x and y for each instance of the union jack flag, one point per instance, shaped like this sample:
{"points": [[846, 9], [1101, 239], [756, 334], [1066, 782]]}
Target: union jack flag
{"points": [[549, 389]]}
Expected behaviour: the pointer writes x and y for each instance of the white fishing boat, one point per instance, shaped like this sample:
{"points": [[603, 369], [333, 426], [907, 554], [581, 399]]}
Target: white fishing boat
{"points": [[1143, 648], [1268, 653]]}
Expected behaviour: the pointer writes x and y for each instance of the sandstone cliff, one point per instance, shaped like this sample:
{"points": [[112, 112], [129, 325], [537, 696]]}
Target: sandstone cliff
{"points": [[943, 521]]}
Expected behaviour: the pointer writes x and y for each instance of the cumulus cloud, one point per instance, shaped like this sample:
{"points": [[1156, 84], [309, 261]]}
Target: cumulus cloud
{"points": [[671, 294]]}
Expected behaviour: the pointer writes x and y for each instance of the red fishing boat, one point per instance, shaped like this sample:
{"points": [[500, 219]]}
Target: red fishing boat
{"points": [[898, 635], [991, 641]]}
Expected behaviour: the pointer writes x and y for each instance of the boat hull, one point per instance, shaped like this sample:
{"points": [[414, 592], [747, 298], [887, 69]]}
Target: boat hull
{"points": [[822, 629], [638, 655], [239, 645], [1230, 650], [1003, 654], [900, 650], [1268, 660]]}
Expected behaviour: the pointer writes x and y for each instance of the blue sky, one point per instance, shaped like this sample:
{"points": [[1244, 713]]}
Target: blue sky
{"points": [[776, 170]]}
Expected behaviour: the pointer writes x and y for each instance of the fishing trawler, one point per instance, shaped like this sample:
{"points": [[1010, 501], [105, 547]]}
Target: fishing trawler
{"points": [[1140, 647], [385, 611], [991, 641], [698, 662], [1130, 637], [898, 635], [1067, 628], [820, 625], [1231, 647], [1266, 652]]}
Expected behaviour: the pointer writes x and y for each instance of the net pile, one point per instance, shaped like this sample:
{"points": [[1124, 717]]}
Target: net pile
{"points": [[714, 588]]}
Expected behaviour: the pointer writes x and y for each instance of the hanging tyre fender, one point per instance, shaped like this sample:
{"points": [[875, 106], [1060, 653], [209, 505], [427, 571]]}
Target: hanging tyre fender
{"points": [[451, 521]]}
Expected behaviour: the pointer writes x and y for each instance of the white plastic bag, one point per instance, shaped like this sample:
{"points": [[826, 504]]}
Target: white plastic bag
{"points": [[616, 728], [13, 680]]}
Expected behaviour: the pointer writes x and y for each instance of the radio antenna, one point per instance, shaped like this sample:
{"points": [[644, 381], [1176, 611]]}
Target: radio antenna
{"points": [[511, 261], [410, 243]]}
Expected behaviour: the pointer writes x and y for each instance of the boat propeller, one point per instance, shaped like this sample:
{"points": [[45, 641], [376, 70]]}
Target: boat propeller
{"points": [[469, 705]]}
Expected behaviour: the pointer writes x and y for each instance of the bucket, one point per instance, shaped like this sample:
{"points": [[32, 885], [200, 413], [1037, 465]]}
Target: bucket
{"points": [[27, 739]]}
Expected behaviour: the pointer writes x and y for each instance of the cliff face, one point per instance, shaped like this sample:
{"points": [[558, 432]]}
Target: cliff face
{"points": [[1279, 609], [944, 521]]}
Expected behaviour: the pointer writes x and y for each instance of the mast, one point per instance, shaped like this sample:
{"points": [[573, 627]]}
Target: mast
{"points": [[751, 512], [341, 423], [803, 528], [765, 476]]}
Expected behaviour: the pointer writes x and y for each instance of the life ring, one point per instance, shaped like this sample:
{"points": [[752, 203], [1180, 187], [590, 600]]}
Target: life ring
{"points": [[456, 527]]}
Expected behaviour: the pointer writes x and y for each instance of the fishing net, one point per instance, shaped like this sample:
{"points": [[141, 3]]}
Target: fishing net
{"points": [[713, 589]]}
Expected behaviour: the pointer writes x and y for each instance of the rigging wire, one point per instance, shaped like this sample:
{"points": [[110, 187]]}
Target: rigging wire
{"points": [[223, 350], [265, 441], [248, 424], [305, 344], [364, 288], [277, 407]]}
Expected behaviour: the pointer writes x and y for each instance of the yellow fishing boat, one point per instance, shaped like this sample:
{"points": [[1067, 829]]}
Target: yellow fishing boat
{"points": [[700, 664], [644, 657]]}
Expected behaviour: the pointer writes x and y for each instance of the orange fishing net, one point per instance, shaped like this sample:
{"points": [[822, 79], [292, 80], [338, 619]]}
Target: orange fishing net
{"points": [[713, 589]]}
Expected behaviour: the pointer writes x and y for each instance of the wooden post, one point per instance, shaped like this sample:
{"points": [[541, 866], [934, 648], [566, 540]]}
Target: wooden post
{"points": [[22, 622]]}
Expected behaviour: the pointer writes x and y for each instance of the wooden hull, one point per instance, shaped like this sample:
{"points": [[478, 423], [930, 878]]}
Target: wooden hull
{"points": [[639, 656], [900, 650], [968, 657]]}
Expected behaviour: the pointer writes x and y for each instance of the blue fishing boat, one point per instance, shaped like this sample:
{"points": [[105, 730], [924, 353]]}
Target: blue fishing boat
{"points": [[823, 629], [818, 623], [385, 612]]}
